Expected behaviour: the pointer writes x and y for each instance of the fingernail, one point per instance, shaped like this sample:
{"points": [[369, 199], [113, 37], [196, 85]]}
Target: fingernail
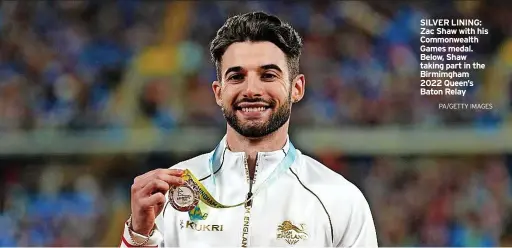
{"points": [[181, 181]]}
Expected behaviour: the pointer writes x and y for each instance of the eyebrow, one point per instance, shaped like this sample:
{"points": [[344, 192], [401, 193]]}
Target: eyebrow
{"points": [[264, 67], [233, 69]]}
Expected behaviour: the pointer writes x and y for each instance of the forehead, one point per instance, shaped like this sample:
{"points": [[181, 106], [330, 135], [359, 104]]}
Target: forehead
{"points": [[251, 55]]}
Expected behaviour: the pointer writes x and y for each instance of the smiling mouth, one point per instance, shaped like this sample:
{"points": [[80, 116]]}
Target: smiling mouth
{"points": [[252, 109]]}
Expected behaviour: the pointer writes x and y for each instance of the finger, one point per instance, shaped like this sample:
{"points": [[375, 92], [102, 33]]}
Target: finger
{"points": [[144, 179], [173, 172], [171, 180], [156, 185], [153, 200]]}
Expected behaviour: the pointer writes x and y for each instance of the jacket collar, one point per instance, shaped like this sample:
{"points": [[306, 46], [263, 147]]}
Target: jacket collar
{"points": [[224, 145], [234, 162]]}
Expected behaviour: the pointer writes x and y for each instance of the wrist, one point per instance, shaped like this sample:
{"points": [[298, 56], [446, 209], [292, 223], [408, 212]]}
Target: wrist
{"points": [[139, 230], [138, 237]]}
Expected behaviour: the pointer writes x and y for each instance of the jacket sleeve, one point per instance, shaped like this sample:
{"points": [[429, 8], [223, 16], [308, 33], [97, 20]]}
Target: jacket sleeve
{"points": [[359, 228]]}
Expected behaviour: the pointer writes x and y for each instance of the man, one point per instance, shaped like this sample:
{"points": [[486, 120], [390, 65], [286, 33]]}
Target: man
{"points": [[285, 198]]}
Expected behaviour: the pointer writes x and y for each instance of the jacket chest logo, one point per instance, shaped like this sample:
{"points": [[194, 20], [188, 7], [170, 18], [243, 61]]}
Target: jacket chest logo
{"points": [[291, 233]]}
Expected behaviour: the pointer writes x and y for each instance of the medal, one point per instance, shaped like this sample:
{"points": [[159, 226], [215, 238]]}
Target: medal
{"points": [[184, 197]]}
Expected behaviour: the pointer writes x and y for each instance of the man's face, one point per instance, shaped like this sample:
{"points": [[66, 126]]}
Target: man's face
{"points": [[256, 91]]}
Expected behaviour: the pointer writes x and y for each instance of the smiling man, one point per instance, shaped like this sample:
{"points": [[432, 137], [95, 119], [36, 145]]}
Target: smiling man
{"points": [[255, 188]]}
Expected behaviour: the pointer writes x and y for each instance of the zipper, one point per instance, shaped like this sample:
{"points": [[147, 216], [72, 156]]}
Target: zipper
{"points": [[248, 205]]}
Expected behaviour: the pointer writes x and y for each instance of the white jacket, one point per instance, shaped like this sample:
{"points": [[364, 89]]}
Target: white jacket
{"points": [[308, 205]]}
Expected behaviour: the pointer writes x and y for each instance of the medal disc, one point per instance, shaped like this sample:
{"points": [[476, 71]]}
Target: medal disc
{"points": [[184, 197]]}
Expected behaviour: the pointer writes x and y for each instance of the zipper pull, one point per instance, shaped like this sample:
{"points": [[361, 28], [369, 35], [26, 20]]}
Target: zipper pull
{"points": [[249, 203]]}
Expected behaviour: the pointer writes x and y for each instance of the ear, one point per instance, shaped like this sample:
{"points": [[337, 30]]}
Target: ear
{"points": [[217, 88], [298, 88]]}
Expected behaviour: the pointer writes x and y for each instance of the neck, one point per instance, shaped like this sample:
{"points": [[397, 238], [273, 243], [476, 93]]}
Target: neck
{"points": [[251, 146]]}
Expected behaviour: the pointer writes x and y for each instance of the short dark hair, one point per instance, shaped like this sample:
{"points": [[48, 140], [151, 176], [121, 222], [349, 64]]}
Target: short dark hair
{"points": [[258, 26]]}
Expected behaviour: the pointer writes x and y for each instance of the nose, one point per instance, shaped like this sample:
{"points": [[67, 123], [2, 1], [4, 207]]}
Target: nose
{"points": [[254, 87]]}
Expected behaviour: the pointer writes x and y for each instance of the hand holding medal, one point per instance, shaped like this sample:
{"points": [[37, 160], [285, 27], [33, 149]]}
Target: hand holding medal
{"points": [[148, 197]]}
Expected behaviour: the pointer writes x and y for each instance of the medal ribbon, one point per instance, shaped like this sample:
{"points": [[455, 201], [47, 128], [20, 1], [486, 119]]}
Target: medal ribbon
{"points": [[198, 213]]}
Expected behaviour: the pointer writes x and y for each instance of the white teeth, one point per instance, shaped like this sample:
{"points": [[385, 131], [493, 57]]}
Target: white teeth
{"points": [[253, 109]]}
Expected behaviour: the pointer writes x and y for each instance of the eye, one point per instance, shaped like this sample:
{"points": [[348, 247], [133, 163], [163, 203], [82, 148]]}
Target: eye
{"points": [[236, 77], [268, 76]]}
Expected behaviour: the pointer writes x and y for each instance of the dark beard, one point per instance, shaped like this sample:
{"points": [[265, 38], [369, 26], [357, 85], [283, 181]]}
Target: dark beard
{"points": [[277, 120]]}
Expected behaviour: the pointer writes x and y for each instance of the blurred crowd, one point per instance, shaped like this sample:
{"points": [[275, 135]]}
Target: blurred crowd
{"points": [[77, 65], [62, 61], [46, 211], [456, 202], [117, 64]]}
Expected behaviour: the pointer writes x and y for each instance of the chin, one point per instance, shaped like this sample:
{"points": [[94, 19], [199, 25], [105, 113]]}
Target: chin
{"points": [[254, 123]]}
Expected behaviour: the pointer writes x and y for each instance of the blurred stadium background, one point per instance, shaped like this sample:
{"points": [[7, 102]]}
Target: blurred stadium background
{"points": [[94, 93]]}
